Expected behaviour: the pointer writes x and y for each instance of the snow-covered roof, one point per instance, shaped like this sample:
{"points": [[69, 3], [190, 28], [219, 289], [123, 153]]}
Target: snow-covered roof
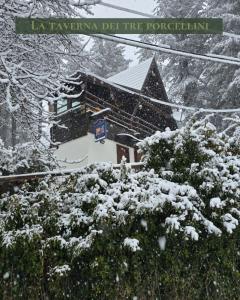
{"points": [[178, 115], [133, 77]]}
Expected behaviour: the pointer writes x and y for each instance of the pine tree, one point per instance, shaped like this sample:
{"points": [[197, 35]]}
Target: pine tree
{"points": [[181, 74], [195, 82], [221, 82], [107, 58]]}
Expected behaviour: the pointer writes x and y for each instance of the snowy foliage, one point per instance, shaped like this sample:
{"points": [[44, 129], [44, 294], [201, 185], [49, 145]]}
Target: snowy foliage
{"points": [[32, 66], [107, 58], [93, 230], [132, 244], [194, 193], [97, 196], [191, 81], [25, 158], [208, 161]]}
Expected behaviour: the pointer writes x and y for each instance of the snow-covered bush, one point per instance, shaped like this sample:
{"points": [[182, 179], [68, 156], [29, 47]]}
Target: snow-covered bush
{"points": [[208, 161], [169, 233], [25, 158]]}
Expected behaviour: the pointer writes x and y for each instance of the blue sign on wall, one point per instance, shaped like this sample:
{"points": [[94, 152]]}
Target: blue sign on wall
{"points": [[100, 130]]}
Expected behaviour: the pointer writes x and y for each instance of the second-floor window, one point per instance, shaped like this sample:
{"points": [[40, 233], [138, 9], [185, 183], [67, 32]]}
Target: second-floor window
{"points": [[62, 106]]}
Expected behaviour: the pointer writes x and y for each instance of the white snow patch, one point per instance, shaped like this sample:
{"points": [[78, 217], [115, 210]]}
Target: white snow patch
{"points": [[133, 244], [162, 242], [216, 202]]}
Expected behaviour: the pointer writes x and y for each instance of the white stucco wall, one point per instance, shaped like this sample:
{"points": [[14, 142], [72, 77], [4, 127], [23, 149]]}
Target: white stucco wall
{"points": [[77, 149]]}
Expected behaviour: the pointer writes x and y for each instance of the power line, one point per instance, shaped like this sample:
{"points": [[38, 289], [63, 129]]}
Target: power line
{"points": [[232, 35], [183, 107], [135, 12], [165, 48], [160, 47], [223, 56], [152, 47], [127, 10]]}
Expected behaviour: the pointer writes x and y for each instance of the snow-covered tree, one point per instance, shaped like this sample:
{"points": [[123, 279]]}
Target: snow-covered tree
{"points": [[194, 82], [31, 65], [107, 58], [25, 158], [221, 82], [181, 74], [207, 160]]}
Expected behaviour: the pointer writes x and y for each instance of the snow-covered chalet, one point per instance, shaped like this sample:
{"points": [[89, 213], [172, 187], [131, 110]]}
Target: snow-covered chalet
{"points": [[103, 119]]}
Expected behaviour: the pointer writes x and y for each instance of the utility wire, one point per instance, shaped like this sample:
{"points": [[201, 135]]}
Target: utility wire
{"points": [[130, 42], [160, 47], [132, 11], [179, 106], [165, 48]]}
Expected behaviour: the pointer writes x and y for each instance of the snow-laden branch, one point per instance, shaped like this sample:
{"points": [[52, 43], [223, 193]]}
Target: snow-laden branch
{"points": [[84, 2], [32, 67], [138, 44]]}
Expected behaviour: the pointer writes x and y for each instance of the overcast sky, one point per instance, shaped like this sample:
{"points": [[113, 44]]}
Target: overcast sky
{"points": [[146, 6]]}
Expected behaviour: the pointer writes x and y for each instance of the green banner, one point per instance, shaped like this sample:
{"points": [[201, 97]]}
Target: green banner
{"points": [[119, 26]]}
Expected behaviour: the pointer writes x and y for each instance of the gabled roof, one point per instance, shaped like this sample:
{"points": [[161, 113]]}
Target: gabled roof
{"points": [[134, 77]]}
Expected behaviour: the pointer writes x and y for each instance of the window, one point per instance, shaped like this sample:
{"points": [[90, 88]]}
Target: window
{"points": [[75, 103], [122, 151], [137, 156], [62, 106]]}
